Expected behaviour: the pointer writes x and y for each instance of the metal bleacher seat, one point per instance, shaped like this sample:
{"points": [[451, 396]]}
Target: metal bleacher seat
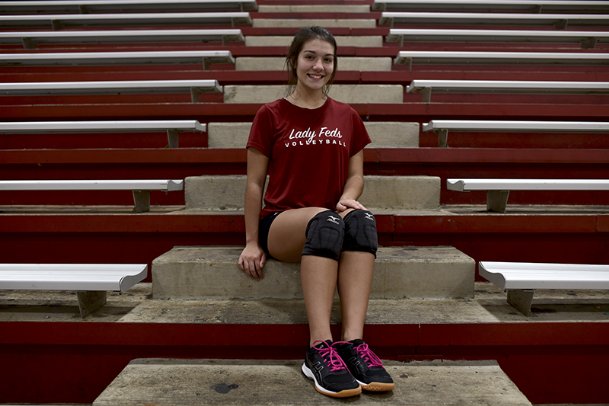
{"points": [[96, 6], [57, 21], [140, 188], [29, 39], [172, 127], [587, 39], [426, 87], [195, 87], [556, 20], [443, 127], [104, 58], [410, 58], [498, 189], [535, 6]]}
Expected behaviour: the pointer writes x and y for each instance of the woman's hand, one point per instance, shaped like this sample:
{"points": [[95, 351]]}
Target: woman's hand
{"points": [[345, 204], [252, 260]]}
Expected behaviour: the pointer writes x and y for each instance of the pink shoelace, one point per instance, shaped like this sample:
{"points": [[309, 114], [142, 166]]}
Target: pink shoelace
{"points": [[330, 355], [367, 355]]}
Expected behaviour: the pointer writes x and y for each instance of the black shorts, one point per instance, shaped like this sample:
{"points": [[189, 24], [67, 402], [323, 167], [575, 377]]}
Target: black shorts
{"points": [[264, 226]]}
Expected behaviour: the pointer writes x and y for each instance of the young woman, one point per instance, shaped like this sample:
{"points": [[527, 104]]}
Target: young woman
{"points": [[311, 148]]}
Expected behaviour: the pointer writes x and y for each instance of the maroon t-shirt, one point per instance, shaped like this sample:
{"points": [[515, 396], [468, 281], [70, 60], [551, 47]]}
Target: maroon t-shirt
{"points": [[308, 151]]}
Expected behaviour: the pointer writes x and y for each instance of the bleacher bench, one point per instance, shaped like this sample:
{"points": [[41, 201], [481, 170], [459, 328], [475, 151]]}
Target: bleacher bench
{"points": [[117, 6], [426, 87], [195, 87], [587, 39], [140, 188], [498, 190], [443, 127], [558, 20], [520, 279], [58, 21], [493, 6], [411, 57], [172, 127], [90, 281], [104, 58], [29, 39]]}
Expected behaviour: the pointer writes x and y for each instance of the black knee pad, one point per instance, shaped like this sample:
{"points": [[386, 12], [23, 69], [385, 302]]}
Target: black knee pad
{"points": [[324, 235], [360, 232]]}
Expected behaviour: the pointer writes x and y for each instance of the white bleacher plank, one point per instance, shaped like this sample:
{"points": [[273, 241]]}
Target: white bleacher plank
{"points": [[103, 58], [497, 190], [520, 279], [559, 20], [588, 39], [140, 188], [167, 185], [495, 5], [58, 20], [412, 57], [443, 127], [512, 86], [30, 38], [90, 281], [89, 6], [196, 87], [173, 128]]}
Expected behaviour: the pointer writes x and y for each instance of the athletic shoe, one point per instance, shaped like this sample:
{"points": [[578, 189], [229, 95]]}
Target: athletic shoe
{"points": [[365, 366], [326, 368]]}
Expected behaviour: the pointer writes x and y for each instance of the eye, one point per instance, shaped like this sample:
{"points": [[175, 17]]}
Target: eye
{"points": [[329, 60]]}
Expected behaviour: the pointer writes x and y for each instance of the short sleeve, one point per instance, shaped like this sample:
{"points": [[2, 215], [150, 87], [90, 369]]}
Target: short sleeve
{"points": [[361, 138], [261, 133]]}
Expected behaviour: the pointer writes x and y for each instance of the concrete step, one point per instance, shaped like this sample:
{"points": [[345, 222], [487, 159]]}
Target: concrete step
{"points": [[225, 192], [310, 8], [346, 93], [341, 40], [308, 22], [179, 382], [400, 272], [384, 134], [345, 63]]}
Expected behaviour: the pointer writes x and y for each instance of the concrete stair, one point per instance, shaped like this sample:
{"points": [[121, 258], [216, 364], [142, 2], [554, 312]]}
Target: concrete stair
{"points": [[345, 63], [176, 382], [384, 134], [400, 272], [357, 93], [225, 192], [341, 40]]}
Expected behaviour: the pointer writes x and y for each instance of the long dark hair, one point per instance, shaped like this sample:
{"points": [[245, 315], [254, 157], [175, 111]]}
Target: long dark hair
{"points": [[300, 38]]}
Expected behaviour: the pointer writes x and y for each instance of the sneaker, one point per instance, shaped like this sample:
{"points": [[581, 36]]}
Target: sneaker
{"points": [[326, 368], [365, 366]]}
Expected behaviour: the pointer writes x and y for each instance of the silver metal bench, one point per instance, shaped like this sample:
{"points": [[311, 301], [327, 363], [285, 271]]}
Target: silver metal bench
{"points": [[426, 87], [587, 39], [29, 39], [534, 6], [195, 87], [90, 281], [97, 6], [498, 190], [107, 58], [411, 57], [57, 21], [557, 20], [443, 127], [172, 127], [520, 279], [140, 188]]}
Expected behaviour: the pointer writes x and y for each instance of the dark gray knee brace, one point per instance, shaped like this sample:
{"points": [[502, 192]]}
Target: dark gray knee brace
{"points": [[360, 232], [325, 233]]}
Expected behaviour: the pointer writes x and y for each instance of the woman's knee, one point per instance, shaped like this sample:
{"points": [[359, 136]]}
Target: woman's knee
{"points": [[324, 235], [360, 232]]}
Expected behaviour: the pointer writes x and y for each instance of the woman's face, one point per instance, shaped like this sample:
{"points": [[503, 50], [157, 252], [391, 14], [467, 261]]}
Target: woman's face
{"points": [[315, 64]]}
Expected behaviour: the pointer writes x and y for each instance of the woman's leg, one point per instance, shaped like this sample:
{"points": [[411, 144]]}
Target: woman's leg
{"points": [[318, 274], [354, 285]]}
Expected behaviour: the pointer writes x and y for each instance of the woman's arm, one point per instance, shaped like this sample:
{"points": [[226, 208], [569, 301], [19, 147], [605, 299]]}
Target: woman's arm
{"points": [[354, 186], [252, 258]]}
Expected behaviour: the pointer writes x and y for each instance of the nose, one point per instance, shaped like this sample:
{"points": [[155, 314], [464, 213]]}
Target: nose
{"points": [[318, 64]]}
